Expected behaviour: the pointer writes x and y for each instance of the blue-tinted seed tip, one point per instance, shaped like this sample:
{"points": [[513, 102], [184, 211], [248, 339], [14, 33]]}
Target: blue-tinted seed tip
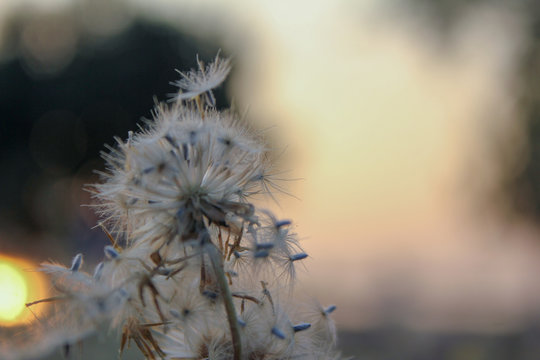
{"points": [[210, 294], [225, 141], [300, 256], [236, 254], [264, 246], [282, 223], [185, 151], [111, 252], [98, 270], [175, 313], [261, 254], [171, 141], [330, 309], [277, 332], [180, 214], [242, 323], [76, 263], [301, 327], [124, 293], [165, 272], [192, 137]]}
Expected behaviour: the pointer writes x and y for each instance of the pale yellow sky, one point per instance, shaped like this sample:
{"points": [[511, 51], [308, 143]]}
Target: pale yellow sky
{"points": [[381, 125]]}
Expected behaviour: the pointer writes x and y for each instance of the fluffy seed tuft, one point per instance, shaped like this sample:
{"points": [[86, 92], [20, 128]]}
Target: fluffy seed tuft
{"points": [[194, 270]]}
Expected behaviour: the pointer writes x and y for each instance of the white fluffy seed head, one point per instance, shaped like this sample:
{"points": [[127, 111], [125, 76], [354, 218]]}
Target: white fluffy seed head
{"points": [[178, 198], [187, 161]]}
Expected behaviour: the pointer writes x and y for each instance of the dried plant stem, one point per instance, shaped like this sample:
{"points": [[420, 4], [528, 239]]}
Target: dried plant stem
{"points": [[217, 263]]}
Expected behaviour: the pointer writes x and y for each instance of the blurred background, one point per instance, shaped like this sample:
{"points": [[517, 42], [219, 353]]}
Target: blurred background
{"points": [[412, 129]]}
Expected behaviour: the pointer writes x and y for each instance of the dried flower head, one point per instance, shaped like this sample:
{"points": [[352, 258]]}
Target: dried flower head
{"points": [[194, 270]]}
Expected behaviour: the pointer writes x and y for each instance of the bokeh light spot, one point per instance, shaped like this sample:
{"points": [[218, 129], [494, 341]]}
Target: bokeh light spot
{"points": [[13, 292]]}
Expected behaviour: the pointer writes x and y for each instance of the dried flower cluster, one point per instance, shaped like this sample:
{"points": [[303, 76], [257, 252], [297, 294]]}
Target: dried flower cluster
{"points": [[194, 269]]}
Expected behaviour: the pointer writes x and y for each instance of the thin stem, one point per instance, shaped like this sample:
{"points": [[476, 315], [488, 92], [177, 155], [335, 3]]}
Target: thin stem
{"points": [[217, 263]]}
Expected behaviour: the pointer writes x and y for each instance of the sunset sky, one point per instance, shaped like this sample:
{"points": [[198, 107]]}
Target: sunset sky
{"points": [[386, 129]]}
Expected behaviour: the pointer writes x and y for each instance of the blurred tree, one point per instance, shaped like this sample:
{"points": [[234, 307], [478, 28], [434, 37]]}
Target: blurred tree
{"points": [[59, 110], [518, 190], [524, 187]]}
